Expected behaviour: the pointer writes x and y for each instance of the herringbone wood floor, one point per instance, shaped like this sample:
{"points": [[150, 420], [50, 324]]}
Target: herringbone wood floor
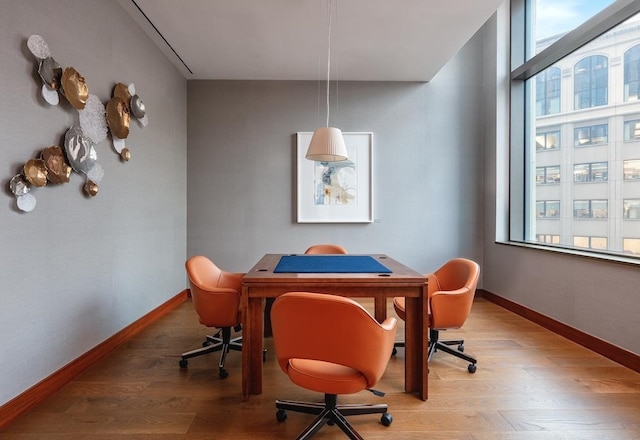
{"points": [[530, 385]]}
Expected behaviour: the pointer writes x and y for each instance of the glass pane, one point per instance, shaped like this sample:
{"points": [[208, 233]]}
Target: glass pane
{"points": [[581, 241], [553, 208], [581, 172], [599, 243], [581, 209], [632, 170], [632, 130], [599, 208], [599, 172], [590, 97], [553, 175], [631, 209], [554, 18], [632, 245]]}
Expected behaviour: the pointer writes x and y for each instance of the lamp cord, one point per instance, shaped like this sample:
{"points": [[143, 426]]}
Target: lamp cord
{"points": [[328, 59]]}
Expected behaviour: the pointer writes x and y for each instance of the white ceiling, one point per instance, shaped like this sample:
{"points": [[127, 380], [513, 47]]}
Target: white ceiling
{"points": [[371, 40]]}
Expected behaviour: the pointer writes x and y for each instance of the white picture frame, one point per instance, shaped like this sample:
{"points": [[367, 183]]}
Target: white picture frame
{"points": [[336, 192]]}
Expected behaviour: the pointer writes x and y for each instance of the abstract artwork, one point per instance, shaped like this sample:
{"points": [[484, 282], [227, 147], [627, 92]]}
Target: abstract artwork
{"points": [[54, 164], [335, 192]]}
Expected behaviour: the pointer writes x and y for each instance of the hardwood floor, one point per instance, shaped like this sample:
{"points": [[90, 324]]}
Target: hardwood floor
{"points": [[530, 385]]}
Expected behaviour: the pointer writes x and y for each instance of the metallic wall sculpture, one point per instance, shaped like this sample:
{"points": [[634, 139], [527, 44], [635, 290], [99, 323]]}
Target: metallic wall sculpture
{"points": [[54, 164]]}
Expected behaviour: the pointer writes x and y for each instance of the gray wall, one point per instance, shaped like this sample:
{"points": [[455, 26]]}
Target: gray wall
{"points": [[598, 297], [427, 159], [75, 271]]}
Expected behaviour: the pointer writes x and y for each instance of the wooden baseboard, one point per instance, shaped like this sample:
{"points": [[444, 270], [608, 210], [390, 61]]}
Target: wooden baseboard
{"points": [[613, 352], [46, 387]]}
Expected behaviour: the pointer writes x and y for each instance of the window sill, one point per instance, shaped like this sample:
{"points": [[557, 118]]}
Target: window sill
{"points": [[593, 255]]}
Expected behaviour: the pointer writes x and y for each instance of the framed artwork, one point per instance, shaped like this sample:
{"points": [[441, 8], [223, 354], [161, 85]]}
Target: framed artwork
{"points": [[336, 192]]}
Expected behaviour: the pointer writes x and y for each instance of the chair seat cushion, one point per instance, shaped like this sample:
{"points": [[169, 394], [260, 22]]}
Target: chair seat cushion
{"points": [[325, 377]]}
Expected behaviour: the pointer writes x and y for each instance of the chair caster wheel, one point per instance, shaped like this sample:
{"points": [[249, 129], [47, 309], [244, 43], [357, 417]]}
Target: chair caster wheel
{"points": [[461, 347], [183, 363], [223, 374], [386, 419], [471, 368], [394, 352], [281, 415]]}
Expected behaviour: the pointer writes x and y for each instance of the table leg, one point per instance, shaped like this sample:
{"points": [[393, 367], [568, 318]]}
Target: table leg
{"points": [[416, 348], [380, 308], [252, 343]]}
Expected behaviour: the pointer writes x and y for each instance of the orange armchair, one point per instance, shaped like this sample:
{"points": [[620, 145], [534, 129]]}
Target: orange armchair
{"points": [[216, 298], [332, 345], [451, 290], [326, 249]]}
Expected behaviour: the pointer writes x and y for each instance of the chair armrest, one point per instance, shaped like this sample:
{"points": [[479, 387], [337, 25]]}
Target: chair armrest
{"points": [[231, 280]]}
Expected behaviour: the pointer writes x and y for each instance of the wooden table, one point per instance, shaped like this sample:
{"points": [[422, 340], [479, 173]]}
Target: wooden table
{"points": [[261, 282]]}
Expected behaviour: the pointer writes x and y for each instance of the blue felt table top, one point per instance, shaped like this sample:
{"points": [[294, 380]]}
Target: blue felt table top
{"points": [[329, 264]]}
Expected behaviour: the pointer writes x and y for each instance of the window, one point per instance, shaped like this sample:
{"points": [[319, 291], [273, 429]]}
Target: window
{"points": [[547, 238], [548, 208], [632, 130], [631, 245], [577, 84], [590, 208], [549, 140], [631, 73], [590, 135], [590, 172], [548, 92], [548, 174], [590, 82], [631, 209], [590, 242], [631, 169]]}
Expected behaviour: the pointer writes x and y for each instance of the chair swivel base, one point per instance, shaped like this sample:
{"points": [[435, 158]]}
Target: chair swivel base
{"points": [[436, 345], [331, 413], [213, 344]]}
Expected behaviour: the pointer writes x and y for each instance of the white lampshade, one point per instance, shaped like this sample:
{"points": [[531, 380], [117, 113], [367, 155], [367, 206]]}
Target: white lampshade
{"points": [[327, 145]]}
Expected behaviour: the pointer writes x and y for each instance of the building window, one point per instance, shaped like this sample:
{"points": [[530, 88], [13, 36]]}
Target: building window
{"points": [[631, 73], [590, 208], [590, 242], [548, 175], [548, 208], [590, 82], [591, 172], [549, 140], [632, 130], [631, 169], [548, 92], [590, 135], [548, 238], [631, 245], [631, 209]]}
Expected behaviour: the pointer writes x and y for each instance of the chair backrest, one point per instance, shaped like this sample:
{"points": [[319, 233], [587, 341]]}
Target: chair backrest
{"points": [[331, 328], [214, 292], [326, 248], [451, 291]]}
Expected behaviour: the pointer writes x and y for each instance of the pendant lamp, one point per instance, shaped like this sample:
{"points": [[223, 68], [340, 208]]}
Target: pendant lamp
{"points": [[327, 143]]}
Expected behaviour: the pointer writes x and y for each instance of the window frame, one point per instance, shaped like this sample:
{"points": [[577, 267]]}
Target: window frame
{"points": [[523, 106]]}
